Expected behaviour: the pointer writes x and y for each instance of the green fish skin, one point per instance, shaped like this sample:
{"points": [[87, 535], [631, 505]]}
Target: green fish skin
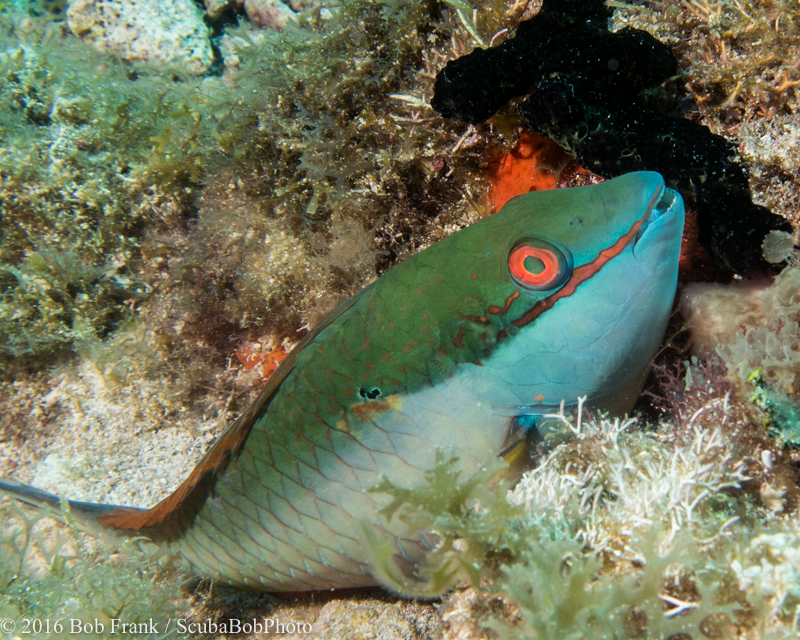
{"points": [[561, 294]]}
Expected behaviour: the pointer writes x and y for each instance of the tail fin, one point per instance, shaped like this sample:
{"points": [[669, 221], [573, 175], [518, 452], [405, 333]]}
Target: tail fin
{"points": [[84, 514]]}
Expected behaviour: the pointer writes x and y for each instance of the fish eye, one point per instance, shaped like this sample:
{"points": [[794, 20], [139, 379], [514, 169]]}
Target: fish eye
{"points": [[537, 265]]}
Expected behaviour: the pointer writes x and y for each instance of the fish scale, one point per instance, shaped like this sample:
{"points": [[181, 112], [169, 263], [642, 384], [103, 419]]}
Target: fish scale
{"points": [[334, 487], [459, 350]]}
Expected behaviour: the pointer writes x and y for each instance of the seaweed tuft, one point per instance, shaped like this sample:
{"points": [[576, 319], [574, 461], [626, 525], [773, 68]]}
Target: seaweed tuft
{"points": [[623, 531], [62, 582]]}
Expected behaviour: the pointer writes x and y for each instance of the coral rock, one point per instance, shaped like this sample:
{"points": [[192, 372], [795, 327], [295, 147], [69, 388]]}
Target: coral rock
{"points": [[464, 614], [751, 326], [164, 33], [268, 13], [373, 619], [215, 8]]}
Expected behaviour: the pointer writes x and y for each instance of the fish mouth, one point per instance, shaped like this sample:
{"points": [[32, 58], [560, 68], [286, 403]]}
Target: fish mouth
{"points": [[663, 206]]}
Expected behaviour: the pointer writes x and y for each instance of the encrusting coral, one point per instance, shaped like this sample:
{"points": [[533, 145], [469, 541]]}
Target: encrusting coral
{"points": [[755, 329], [167, 33]]}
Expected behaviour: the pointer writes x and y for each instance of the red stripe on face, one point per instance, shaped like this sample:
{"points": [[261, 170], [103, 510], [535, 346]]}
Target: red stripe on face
{"points": [[580, 274]]}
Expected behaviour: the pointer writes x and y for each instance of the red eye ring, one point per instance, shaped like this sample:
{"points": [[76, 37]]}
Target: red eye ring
{"points": [[555, 266]]}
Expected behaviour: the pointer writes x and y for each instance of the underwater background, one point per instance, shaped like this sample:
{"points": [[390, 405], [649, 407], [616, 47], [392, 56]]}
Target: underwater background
{"points": [[186, 189]]}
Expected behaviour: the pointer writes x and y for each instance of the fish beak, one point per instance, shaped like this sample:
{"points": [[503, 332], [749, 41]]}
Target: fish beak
{"points": [[663, 207]]}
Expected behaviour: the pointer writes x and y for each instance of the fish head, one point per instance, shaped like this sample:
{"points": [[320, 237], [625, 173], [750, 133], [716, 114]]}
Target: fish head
{"points": [[578, 286]]}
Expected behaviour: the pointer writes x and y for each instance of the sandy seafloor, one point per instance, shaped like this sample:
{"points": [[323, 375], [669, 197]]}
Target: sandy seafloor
{"points": [[174, 222]]}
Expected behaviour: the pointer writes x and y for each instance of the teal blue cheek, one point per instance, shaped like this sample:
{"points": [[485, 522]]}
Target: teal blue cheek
{"points": [[599, 340]]}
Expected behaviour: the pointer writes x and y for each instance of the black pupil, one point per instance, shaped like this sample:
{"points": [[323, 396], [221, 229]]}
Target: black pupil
{"points": [[369, 394]]}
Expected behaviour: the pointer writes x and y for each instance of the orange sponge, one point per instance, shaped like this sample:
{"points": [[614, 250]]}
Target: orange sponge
{"points": [[535, 164], [254, 355]]}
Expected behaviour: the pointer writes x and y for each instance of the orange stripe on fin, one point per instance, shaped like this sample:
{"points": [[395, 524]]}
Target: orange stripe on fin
{"points": [[212, 464]]}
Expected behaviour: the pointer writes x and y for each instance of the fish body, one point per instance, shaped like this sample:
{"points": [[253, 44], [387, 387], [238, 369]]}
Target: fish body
{"points": [[561, 294]]}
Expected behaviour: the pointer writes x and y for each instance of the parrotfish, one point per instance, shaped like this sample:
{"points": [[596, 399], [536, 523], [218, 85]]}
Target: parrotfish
{"points": [[460, 349]]}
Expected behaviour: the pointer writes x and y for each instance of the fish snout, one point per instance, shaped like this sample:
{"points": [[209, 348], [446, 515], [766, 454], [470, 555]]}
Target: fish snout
{"points": [[660, 235]]}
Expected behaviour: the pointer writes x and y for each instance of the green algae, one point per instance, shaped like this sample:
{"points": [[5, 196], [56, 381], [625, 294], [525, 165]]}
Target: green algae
{"points": [[782, 413], [109, 161], [80, 177], [55, 580]]}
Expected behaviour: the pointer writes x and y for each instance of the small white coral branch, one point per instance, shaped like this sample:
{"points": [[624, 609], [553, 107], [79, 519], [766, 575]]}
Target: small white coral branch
{"points": [[680, 605], [621, 486], [565, 419], [471, 28]]}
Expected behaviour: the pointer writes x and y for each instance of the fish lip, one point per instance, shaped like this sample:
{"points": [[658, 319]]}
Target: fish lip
{"points": [[665, 204], [662, 206]]}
